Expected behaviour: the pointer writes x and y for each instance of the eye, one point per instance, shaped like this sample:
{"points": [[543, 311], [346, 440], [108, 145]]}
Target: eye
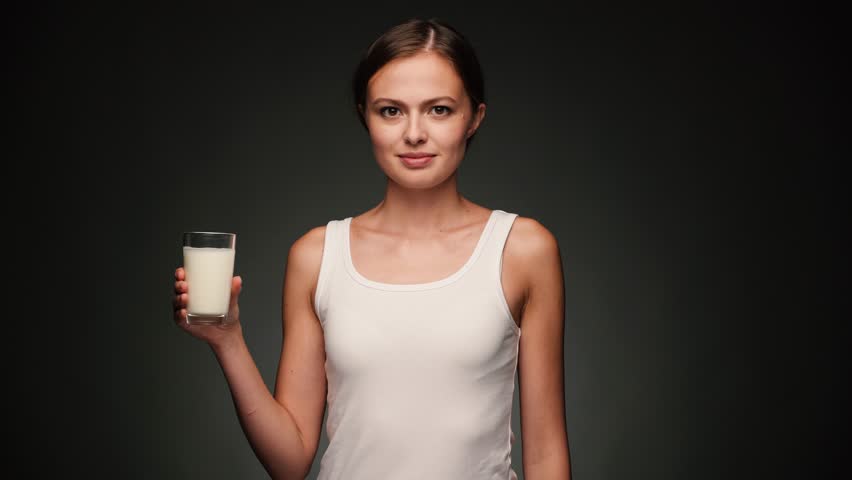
{"points": [[442, 110], [385, 110]]}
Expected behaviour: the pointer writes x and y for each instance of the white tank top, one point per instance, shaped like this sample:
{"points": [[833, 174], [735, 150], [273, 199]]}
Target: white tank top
{"points": [[420, 376]]}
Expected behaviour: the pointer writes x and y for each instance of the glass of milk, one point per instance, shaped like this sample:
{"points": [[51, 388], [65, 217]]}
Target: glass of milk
{"points": [[208, 260]]}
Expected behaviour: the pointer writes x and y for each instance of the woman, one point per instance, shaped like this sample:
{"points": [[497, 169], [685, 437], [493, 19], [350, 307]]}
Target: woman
{"points": [[407, 318]]}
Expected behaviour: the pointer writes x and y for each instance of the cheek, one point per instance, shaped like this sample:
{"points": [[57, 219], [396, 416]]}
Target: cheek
{"points": [[450, 133], [384, 134]]}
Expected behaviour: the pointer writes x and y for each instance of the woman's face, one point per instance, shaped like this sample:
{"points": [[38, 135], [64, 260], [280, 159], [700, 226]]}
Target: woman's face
{"points": [[418, 106]]}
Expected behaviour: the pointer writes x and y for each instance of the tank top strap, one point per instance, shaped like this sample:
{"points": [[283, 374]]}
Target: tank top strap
{"points": [[493, 250], [490, 263], [488, 270], [331, 264]]}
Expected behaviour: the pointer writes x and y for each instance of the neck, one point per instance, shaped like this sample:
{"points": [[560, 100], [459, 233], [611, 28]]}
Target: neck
{"points": [[414, 211]]}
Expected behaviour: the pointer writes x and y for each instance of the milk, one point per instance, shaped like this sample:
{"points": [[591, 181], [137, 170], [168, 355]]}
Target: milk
{"points": [[209, 273]]}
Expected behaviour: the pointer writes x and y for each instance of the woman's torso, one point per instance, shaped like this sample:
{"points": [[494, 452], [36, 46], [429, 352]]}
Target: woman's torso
{"points": [[420, 359]]}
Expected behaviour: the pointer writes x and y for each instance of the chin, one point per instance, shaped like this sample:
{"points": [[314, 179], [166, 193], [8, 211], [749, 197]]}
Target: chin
{"points": [[419, 179]]}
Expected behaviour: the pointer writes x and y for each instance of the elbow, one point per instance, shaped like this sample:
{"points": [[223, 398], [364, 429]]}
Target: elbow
{"points": [[289, 473]]}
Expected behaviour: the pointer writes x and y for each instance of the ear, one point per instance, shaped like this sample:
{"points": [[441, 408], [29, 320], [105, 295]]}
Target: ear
{"points": [[478, 115]]}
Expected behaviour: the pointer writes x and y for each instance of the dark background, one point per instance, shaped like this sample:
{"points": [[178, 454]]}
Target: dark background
{"points": [[687, 159]]}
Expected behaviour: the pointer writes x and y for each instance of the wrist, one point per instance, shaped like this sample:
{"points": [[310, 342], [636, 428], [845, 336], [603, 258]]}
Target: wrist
{"points": [[228, 342]]}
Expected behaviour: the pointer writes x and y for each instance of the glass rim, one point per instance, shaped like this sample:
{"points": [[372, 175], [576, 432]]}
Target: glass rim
{"points": [[210, 239], [210, 233]]}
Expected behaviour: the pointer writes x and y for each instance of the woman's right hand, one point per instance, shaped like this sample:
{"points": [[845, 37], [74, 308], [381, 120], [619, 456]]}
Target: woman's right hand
{"points": [[215, 335]]}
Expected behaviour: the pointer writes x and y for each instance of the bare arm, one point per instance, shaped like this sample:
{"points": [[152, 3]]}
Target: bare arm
{"points": [[301, 384], [269, 427], [282, 430], [541, 370]]}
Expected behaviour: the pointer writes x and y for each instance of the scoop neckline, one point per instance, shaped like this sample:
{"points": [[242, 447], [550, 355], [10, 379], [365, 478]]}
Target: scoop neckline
{"points": [[350, 266]]}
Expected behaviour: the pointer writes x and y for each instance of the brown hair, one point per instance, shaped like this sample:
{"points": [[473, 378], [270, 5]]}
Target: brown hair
{"points": [[415, 36]]}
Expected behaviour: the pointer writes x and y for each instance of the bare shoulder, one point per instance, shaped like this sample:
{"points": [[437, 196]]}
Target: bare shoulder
{"points": [[309, 242], [532, 251], [530, 240], [305, 256]]}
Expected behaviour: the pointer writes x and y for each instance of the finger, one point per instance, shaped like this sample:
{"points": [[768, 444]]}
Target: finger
{"points": [[180, 286], [179, 300], [180, 318], [180, 273]]}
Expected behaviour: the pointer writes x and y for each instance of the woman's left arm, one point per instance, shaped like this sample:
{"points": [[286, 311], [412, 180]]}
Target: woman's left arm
{"points": [[541, 356]]}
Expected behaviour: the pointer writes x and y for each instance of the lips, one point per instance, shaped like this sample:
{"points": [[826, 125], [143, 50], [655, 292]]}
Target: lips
{"points": [[416, 159]]}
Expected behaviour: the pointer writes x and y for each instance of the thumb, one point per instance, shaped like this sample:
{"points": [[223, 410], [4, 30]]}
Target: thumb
{"points": [[236, 288]]}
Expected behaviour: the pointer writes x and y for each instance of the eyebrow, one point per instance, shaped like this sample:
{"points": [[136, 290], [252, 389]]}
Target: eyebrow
{"points": [[432, 100]]}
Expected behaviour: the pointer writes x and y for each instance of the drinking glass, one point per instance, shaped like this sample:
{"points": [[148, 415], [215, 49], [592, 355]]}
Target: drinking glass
{"points": [[208, 260]]}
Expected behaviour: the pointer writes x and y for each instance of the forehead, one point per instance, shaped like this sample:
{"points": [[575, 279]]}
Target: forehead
{"points": [[425, 74]]}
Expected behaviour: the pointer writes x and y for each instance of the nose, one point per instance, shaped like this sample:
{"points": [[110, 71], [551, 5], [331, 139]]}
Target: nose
{"points": [[414, 134]]}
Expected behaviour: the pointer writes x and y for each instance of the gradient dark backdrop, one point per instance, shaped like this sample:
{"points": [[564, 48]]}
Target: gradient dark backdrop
{"points": [[684, 158]]}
